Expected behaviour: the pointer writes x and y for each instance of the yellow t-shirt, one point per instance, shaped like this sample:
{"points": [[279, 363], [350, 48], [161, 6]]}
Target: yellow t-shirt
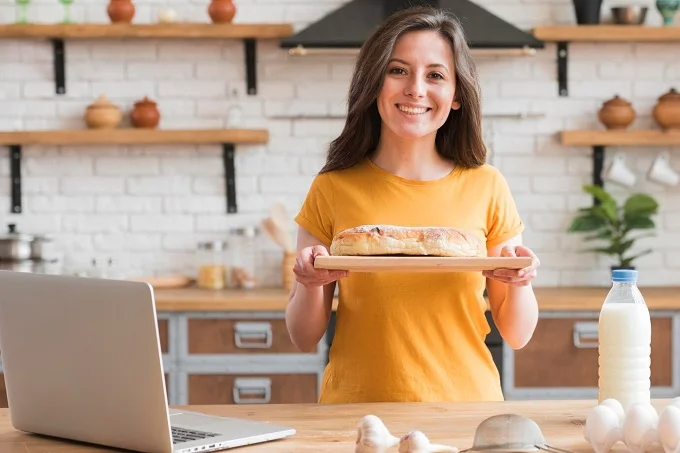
{"points": [[401, 336]]}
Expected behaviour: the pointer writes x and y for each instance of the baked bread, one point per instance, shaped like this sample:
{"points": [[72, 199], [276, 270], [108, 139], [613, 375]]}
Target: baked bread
{"points": [[373, 240]]}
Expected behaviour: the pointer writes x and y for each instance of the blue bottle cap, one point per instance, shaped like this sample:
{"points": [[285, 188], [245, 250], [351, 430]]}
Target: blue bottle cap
{"points": [[624, 275]]}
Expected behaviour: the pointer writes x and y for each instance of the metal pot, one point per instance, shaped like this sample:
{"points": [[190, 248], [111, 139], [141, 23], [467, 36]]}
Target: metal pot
{"points": [[43, 248], [15, 246], [19, 266]]}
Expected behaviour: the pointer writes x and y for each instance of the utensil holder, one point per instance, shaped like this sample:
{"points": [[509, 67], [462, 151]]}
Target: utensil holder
{"points": [[288, 277]]}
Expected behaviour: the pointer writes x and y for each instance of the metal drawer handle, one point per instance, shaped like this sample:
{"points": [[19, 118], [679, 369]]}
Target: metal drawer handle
{"points": [[586, 335], [252, 390], [253, 335]]}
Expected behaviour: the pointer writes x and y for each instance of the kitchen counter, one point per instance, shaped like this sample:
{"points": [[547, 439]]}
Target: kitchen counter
{"points": [[275, 299], [332, 428]]}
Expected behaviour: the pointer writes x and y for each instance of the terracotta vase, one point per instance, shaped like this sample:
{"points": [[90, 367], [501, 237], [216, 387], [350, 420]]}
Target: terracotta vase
{"points": [[616, 113], [667, 110], [102, 114], [145, 114], [221, 11], [121, 11]]}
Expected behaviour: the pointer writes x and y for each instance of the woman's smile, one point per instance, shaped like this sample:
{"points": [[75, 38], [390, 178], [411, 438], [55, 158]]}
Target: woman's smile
{"points": [[412, 110]]}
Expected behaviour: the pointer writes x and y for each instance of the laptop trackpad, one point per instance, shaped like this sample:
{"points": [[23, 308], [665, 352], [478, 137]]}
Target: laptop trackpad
{"points": [[190, 420]]}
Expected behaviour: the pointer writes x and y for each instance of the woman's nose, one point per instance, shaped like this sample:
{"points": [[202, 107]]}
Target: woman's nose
{"points": [[415, 88]]}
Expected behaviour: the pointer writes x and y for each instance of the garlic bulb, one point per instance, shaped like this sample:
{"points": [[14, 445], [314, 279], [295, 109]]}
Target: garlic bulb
{"points": [[602, 429], [669, 428], [417, 442], [639, 429], [373, 436]]}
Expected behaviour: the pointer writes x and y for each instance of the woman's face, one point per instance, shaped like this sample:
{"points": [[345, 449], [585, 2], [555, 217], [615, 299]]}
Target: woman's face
{"points": [[418, 92]]}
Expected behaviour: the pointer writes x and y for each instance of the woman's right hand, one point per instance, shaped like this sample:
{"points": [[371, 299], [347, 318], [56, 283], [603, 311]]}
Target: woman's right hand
{"points": [[310, 277]]}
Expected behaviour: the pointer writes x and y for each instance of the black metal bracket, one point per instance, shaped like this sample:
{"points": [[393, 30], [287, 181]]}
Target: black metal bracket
{"points": [[562, 59], [249, 46], [228, 151], [15, 178], [59, 66], [598, 166]]}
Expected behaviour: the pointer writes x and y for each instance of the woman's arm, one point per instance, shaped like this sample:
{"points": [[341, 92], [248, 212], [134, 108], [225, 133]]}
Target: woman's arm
{"points": [[311, 298], [511, 297]]}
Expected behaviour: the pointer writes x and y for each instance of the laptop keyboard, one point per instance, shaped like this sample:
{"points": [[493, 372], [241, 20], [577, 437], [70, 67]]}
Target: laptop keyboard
{"points": [[180, 435]]}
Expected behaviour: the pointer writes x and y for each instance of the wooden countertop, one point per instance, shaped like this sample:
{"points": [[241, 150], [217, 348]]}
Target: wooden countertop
{"points": [[275, 299], [332, 428]]}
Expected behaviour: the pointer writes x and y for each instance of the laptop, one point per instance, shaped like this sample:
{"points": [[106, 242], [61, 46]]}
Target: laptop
{"points": [[82, 361]]}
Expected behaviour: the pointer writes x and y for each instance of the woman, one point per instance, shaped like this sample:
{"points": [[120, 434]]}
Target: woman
{"points": [[411, 154]]}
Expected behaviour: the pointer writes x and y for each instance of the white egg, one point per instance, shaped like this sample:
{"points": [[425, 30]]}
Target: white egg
{"points": [[616, 406], [602, 429], [669, 428], [676, 402], [639, 428]]}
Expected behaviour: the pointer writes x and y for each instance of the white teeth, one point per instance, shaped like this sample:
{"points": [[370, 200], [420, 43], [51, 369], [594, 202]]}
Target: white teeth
{"points": [[412, 110]]}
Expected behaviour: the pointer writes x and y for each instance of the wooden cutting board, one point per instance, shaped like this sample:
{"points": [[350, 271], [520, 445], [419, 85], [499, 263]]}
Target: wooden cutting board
{"points": [[419, 263]]}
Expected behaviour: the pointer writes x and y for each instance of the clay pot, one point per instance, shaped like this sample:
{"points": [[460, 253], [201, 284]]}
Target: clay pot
{"points": [[616, 113], [102, 114], [121, 11], [667, 110], [221, 11], [145, 114]]}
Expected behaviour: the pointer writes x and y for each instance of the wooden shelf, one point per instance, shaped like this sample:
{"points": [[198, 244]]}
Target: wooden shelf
{"points": [[133, 136], [607, 33], [620, 137], [141, 31], [228, 138], [563, 35], [58, 32]]}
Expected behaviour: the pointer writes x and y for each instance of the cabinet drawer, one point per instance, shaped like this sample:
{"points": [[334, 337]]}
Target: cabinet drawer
{"points": [[239, 336], [252, 388], [563, 353]]}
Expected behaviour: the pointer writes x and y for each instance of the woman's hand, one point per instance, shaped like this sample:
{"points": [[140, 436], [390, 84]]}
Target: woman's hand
{"points": [[310, 277], [516, 277]]}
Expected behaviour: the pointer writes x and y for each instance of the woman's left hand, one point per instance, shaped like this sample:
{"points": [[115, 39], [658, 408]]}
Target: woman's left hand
{"points": [[516, 277]]}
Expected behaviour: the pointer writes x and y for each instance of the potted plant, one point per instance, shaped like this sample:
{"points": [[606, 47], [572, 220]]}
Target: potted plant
{"points": [[613, 223]]}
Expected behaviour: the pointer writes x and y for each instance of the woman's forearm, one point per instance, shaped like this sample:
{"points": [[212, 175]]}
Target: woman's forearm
{"points": [[307, 316], [518, 315]]}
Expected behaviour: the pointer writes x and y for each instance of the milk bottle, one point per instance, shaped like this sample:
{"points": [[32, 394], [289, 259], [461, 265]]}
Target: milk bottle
{"points": [[625, 335]]}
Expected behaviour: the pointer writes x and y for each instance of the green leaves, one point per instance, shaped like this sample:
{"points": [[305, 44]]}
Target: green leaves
{"points": [[612, 223]]}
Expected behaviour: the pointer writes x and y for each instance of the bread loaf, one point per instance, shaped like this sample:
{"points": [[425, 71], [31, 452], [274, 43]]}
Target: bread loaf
{"points": [[373, 240]]}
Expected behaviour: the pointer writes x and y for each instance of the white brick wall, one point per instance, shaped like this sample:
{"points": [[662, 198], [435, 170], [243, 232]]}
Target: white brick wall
{"points": [[148, 206]]}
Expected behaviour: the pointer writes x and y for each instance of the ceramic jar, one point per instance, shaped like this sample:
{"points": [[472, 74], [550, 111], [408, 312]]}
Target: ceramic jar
{"points": [[667, 110], [121, 11], [221, 11], [668, 9], [145, 114], [616, 113], [102, 114]]}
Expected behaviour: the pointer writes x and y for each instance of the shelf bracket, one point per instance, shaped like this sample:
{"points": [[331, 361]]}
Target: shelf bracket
{"points": [[562, 59], [15, 178], [59, 67], [598, 166], [251, 67], [228, 151]]}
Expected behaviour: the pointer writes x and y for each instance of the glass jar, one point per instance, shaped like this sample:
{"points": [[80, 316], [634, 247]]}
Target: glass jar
{"points": [[212, 270], [244, 257]]}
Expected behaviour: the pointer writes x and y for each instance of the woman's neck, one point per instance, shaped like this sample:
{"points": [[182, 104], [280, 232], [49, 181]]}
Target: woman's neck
{"points": [[411, 159]]}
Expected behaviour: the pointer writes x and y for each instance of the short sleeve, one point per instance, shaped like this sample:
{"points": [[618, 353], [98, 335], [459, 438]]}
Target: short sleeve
{"points": [[504, 221], [316, 213]]}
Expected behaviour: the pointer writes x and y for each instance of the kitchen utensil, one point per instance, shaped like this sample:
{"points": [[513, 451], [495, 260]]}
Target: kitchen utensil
{"points": [[145, 114], [279, 215], [102, 114], [43, 248], [629, 15], [616, 113], [510, 433], [666, 112], [15, 246], [419, 263], [277, 234]]}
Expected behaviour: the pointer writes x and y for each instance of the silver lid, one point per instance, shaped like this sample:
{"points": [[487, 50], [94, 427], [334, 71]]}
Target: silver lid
{"points": [[12, 234], [212, 245]]}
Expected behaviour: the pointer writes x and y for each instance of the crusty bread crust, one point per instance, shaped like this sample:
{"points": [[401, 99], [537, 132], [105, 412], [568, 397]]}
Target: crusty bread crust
{"points": [[373, 240]]}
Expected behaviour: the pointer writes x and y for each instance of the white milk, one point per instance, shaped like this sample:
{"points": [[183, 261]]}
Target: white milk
{"points": [[625, 335]]}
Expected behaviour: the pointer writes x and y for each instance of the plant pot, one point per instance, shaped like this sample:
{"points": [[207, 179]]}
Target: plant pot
{"points": [[121, 11], [668, 10], [587, 11], [667, 110], [616, 113], [221, 11], [145, 115]]}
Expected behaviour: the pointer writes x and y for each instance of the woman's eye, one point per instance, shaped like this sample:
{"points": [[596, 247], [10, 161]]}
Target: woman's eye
{"points": [[437, 75], [397, 71]]}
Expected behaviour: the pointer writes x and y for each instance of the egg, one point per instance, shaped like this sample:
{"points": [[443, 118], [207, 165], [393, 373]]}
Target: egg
{"points": [[668, 430], [676, 402], [616, 406], [602, 428], [639, 428]]}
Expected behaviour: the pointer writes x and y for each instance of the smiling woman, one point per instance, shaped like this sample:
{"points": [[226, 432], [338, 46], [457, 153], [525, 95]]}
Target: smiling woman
{"points": [[411, 154]]}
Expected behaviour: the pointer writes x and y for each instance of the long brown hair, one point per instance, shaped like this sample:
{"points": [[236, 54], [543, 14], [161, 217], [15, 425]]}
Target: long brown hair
{"points": [[459, 139]]}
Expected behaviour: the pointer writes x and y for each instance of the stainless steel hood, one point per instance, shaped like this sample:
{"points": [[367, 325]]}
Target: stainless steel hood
{"points": [[350, 25]]}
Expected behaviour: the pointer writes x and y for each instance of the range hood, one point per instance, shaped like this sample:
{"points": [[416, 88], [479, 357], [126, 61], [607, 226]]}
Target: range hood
{"points": [[349, 26]]}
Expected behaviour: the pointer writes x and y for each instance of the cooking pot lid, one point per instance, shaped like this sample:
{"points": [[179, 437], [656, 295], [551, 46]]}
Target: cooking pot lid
{"points": [[13, 235]]}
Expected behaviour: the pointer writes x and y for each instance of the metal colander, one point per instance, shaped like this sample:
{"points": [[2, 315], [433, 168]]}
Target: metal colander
{"points": [[510, 433]]}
